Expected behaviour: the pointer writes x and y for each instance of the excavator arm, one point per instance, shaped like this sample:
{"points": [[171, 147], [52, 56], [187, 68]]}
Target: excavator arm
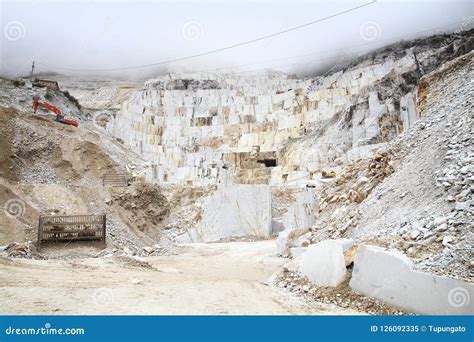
{"points": [[324, 174], [59, 116]]}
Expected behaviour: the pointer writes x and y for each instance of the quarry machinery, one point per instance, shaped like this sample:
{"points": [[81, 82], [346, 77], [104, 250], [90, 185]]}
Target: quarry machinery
{"points": [[330, 174], [59, 116]]}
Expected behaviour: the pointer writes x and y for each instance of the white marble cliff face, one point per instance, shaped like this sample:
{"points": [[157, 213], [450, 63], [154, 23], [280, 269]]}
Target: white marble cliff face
{"points": [[200, 129]]}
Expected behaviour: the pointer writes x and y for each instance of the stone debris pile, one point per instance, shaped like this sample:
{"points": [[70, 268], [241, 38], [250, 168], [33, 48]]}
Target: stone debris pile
{"points": [[420, 207], [20, 249]]}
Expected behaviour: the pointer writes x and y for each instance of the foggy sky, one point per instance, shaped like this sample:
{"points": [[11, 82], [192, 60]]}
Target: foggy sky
{"points": [[114, 34]]}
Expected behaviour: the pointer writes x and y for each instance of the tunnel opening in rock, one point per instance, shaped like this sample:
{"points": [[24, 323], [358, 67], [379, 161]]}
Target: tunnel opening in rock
{"points": [[268, 162]]}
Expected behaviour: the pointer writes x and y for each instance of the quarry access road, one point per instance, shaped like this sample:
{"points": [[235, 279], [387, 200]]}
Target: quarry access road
{"points": [[213, 278]]}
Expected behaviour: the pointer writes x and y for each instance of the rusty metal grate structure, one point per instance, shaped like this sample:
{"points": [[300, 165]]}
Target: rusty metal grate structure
{"points": [[119, 179], [71, 228]]}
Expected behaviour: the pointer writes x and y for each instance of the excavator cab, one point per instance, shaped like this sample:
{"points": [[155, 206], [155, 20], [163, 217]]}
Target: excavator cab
{"points": [[330, 174]]}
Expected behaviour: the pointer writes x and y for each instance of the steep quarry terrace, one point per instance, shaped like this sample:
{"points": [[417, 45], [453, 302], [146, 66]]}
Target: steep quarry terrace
{"points": [[204, 128], [199, 129]]}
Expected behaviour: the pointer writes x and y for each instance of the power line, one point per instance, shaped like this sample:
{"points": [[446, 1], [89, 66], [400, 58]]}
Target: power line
{"points": [[312, 61], [220, 49]]}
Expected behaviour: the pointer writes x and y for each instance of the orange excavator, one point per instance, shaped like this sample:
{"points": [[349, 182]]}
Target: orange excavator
{"points": [[59, 116]]}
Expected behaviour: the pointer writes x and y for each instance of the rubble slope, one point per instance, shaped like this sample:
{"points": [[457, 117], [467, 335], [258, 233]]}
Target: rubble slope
{"points": [[417, 193], [49, 168]]}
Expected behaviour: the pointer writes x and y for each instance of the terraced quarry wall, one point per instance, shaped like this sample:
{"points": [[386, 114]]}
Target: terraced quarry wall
{"points": [[202, 128]]}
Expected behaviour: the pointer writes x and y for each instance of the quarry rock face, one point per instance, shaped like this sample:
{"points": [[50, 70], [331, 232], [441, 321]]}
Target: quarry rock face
{"points": [[301, 214], [282, 242], [323, 263], [234, 211], [200, 129], [389, 276]]}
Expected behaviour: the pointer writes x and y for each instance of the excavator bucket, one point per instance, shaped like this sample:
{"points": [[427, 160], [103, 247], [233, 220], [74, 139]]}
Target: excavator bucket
{"points": [[70, 122], [67, 121]]}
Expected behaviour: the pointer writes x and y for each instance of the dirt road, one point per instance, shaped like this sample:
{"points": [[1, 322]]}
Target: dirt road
{"points": [[224, 278]]}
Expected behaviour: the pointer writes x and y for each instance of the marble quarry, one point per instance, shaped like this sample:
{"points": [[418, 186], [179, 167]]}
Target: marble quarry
{"points": [[203, 129], [239, 210]]}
